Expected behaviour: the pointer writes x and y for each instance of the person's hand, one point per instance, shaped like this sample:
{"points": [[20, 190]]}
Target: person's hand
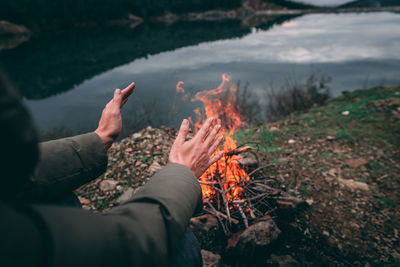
{"points": [[196, 153], [110, 124]]}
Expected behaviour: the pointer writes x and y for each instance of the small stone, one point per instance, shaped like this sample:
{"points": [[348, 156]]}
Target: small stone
{"points": [[107, 185], [325, 233], [310, 201], [136, 135], [345, 113], [86, 207], [353, 185], [210, 259], [332, 172], [154, 167], [355, 163], [84, 201], [273, 129], [283, 160], [330, 137], [282, 260], [355, 225], [291, 141], [126, 196]]}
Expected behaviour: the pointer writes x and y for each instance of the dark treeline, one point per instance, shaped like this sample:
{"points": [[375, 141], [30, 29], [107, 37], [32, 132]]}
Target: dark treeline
{"points": [[56, 13], [39, 12]]}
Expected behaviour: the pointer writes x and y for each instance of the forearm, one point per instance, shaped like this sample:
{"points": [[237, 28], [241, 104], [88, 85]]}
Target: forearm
{"points": [[65, 164], [145, 231]]}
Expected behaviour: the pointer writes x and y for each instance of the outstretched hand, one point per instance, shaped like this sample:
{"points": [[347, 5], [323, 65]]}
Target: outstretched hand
{"points": [[110, 124], [196, 153]]}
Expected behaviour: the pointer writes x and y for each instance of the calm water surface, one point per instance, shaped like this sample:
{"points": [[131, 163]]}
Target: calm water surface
{"points": [[356, 50]]}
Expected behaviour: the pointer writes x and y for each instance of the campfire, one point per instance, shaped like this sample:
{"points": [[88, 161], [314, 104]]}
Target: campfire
{"points": [[233, 191]]}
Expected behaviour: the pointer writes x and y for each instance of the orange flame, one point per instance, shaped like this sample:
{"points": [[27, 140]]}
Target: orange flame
{"points": [[179, 88], [219, 103]]}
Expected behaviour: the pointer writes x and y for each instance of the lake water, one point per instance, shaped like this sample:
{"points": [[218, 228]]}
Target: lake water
{"points": [[66, 78]]}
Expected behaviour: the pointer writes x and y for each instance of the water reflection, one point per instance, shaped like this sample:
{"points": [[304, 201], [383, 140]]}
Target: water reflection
{"points": [[54, 62], [356, 50]]}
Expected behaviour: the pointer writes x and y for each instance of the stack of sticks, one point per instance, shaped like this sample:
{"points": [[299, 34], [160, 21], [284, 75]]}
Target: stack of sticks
{"points": [[257, 199]]}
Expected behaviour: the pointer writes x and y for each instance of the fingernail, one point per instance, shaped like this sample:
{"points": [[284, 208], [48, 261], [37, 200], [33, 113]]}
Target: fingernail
{"points": [[185, 122], [210, 119], [218, 126]]}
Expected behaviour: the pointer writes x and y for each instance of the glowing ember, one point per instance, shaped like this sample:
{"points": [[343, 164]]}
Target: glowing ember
{"points": [[219, 103]]}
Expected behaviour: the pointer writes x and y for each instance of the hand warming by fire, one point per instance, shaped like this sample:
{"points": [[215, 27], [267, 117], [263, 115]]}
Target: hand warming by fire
{"points": [[226, 172], [197, 153], [222, 183]]}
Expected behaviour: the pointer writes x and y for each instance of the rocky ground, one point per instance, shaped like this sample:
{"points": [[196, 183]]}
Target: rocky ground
{"points": [[343, 158]]}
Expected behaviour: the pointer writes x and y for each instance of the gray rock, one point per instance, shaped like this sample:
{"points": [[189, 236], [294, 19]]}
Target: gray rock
{"points": [[255, 238], [282, 261], [210, 259], [107, 185], [126, 196], [136, 135]]}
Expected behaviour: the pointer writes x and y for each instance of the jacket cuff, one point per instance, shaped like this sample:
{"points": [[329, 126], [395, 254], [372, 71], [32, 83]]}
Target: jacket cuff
{"points": [[92, 152]]}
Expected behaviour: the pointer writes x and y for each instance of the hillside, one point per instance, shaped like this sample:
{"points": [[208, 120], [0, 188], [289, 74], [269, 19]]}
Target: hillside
{"points": [[343, 158]]}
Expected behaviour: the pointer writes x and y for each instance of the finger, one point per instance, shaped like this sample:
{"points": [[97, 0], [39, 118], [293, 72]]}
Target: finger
{"points": [[124, 101], [216, 144], [210, 138], [117, 97], [204, 129], [127, 92], [183, 132], [215, 158]]}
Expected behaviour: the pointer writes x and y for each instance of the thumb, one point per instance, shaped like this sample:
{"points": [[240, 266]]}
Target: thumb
{"points": [[183, 132]]}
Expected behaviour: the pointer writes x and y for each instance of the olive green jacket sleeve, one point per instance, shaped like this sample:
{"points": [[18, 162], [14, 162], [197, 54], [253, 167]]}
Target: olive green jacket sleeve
{"points": [[64, 165], [143, 232]]}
